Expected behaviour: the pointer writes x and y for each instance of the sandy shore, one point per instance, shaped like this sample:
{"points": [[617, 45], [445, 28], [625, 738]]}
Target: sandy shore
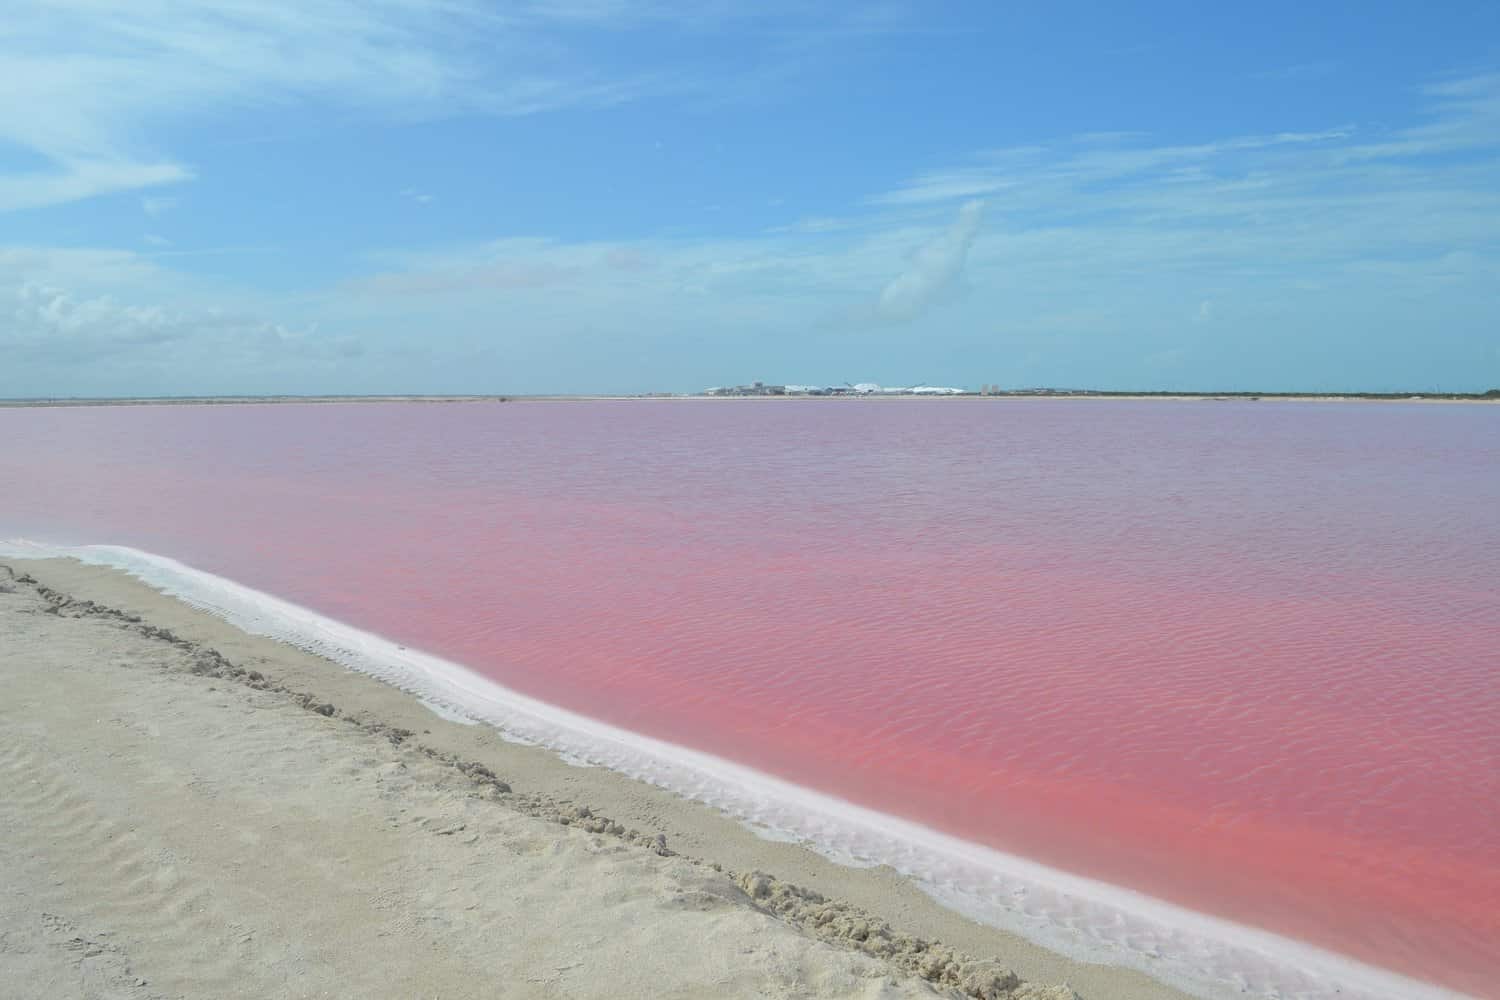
{"points": [[187, 810]]}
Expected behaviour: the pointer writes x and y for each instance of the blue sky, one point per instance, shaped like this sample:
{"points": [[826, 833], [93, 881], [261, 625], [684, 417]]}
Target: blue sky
{"points": [[233, 196]]}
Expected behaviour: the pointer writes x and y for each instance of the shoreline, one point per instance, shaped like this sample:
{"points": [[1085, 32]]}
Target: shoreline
{"points": [[850, 927], [881, 891], [1234, 397]]}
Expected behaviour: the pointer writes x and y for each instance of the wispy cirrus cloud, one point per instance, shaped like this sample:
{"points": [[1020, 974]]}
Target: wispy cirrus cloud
{"points": [[1240, 206], [1096, 239], [1087, 158], [1466, 117], [1463, 117], [1098, 216], [72, 178], [88, 82]]}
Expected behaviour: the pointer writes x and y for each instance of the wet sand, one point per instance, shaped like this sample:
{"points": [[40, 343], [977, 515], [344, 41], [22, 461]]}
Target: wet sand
{"points": [[188, 810]]}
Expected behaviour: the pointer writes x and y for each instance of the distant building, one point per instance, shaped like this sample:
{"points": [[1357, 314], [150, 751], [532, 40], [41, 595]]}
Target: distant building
{"points": [[860, 389], [753, 389]]}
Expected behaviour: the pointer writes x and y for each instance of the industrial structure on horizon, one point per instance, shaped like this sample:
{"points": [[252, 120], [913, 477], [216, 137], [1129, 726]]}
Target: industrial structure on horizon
{"points": [[859, 389]]}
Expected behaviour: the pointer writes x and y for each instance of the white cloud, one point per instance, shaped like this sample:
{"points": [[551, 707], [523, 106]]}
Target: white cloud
{"points": [[48, 322], [1090, 157], [935, 269], [67, 314], [1265, 210], [1101, 239], [1466, 117], [87, 80], [948, 185], [71, 180], [49, 328], [538, 292], [816, 224], [1317, 170], [98, 271]]}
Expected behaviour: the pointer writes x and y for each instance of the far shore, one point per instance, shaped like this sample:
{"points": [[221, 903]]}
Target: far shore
{"points": [[1257, 397]]}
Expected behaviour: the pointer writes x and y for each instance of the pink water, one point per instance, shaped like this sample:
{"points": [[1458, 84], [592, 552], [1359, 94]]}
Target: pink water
{"points": [[1242, 656]]}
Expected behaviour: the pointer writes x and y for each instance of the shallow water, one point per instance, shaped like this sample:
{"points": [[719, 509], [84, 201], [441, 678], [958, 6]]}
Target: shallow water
{"points": [[1240, 656]]}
